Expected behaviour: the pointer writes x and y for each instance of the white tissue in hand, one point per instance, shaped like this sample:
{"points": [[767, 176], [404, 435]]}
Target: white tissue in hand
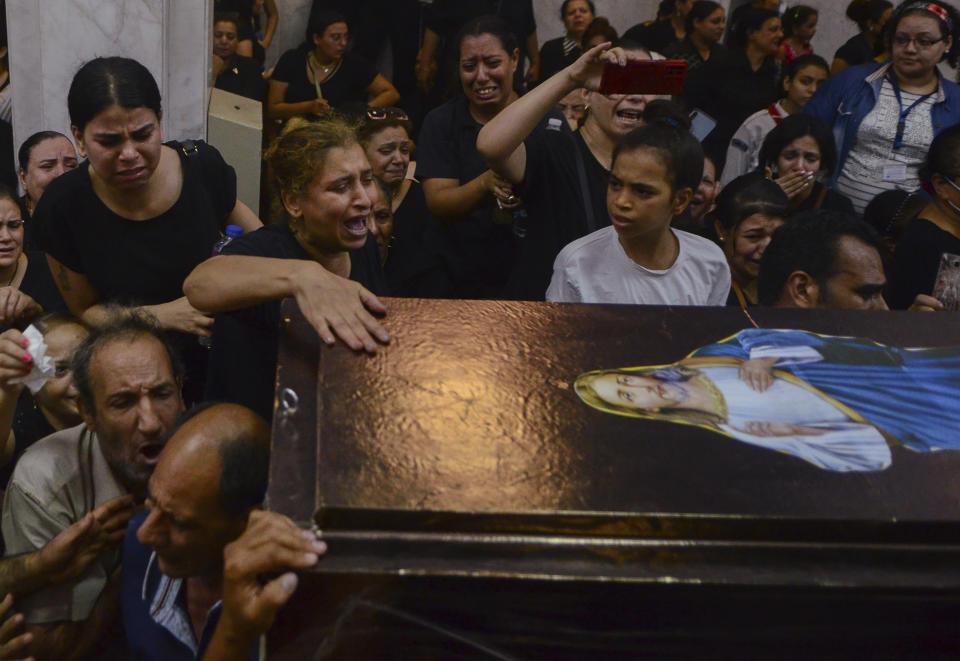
{"points": [[43, 368]]}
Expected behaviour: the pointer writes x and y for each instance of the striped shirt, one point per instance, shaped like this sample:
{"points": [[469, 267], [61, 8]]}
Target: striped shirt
{"points": [[862, 178]]}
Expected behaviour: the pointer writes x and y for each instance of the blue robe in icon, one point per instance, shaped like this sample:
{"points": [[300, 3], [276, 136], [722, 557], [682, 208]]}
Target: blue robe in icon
{"points": [[912, 395]]}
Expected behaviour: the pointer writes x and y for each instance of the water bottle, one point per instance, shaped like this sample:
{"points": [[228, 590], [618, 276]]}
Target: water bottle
{"points": [[232, 232]]}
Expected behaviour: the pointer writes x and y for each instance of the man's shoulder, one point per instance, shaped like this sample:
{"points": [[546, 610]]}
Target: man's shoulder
{"points": [[50, 463]]}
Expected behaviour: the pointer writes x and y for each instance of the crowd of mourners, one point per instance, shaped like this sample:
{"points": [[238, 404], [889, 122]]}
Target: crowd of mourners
{"points": [[136, 288]]}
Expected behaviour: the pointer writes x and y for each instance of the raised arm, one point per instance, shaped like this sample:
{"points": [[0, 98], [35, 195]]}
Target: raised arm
{"points": [[501, 140], [83, 300], [333, 305]]}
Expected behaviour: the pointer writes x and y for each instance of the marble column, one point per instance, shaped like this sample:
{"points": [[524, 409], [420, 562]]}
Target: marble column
{"points": [[50, 39]]}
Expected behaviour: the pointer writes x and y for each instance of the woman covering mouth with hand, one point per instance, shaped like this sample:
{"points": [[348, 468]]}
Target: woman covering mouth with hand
{"points": [[323, 255]]}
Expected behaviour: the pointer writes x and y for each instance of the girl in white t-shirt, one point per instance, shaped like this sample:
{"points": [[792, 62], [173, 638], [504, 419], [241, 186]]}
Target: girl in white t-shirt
{"points": [[640, 259]]}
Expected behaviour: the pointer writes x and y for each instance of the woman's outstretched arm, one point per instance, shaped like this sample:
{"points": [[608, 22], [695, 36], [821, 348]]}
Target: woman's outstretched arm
{"points": [[334, 306]]}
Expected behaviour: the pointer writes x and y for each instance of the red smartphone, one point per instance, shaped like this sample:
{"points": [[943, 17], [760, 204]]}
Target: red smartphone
{"points": [[644, 77]]}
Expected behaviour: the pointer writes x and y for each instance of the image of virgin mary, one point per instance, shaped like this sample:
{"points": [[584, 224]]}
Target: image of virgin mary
{"points": [[836, 402]]}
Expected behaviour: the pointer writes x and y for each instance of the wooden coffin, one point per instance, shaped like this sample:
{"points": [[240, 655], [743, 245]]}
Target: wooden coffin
{"points": [[476, 508]]}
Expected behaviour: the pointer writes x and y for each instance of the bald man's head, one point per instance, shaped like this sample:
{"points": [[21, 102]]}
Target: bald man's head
{"points": [[239, 439], [211, 474]]}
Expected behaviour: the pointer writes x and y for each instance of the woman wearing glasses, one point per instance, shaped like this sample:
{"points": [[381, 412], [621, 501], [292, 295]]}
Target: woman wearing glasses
{"points": [[884, 116], [320, 75]]}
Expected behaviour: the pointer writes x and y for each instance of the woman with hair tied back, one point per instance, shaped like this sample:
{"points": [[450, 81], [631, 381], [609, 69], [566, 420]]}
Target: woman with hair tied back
{"points": [[132, 221], [871, 17], [320, 74], [322, 254], [705, 23], [475, 205], [934, 232], [884, 116], [43, 157]]}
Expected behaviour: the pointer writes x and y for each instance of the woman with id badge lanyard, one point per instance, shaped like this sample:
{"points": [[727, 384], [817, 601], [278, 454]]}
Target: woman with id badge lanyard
{"points": [[884, 117]]}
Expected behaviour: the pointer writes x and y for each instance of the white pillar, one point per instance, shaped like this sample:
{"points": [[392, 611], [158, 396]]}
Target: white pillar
{"points": [[50, 39]]}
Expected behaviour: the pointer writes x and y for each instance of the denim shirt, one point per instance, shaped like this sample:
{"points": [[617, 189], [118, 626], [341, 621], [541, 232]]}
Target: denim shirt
{"points": [[845, 99]]}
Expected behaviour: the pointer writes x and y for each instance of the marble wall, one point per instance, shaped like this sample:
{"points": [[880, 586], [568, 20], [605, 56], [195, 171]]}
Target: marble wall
{"points": [[50, 39]]}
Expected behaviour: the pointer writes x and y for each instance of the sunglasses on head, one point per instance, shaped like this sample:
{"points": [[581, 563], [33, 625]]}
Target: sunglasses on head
{"points": [[387, 113]]}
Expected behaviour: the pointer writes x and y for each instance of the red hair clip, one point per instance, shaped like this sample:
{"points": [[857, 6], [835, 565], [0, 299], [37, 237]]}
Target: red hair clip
{"points": [[939, 11]]}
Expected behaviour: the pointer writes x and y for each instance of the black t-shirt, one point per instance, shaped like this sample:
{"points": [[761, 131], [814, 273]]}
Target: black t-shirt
{"points": [[917, 260], [553, 59], [555, 201], [728, 89], [415, 262], [241, 75], [243, 359], [857, 50], [657, 37], [142, 262], [480, 252], [137, 262], [39, 285], [347, 86], [685, 50]]}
